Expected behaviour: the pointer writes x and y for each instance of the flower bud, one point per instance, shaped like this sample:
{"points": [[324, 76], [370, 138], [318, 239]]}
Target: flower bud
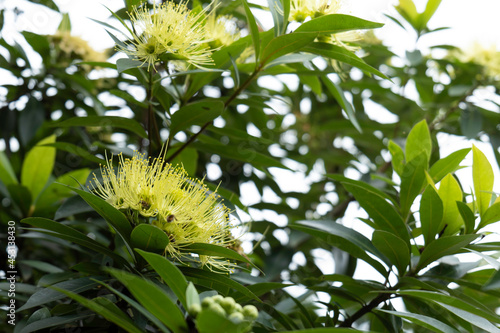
{"points": [[228, 304], [194, 309], [250, 312]]}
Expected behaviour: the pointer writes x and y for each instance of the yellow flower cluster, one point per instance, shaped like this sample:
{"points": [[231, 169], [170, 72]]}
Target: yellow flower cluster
{"points": [[165, 196], [73, 47], [489, 58], [169, 29], [221, 30], [300, 10]]}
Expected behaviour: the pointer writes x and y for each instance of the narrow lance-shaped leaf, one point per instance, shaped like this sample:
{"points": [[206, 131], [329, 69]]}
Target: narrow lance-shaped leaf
{"points": [[448, 164], [482, 175], [338, 94], [418, 141], [450, 192], [431, 213], [254, 30], [393, 248], [413, 180], [398, 157]]}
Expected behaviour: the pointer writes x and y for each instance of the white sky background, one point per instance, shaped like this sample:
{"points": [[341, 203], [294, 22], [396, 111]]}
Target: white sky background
{"points": [[469, 23]]}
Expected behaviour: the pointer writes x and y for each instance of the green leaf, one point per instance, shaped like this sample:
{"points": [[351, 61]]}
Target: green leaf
{"points": [[327, 330], [65, 25], [457, 306], [335, 23], [413, 180], [41, 266], [482, 175], [408, 10], [419, 141], [124, 63], [76, 150], [127, 97], [54, 321], [379, 210], [72, 206], [398, 157], [430, 9], [209, 321], [104, 121], [217, 281], [345, 239], [114, 217], [443, 246], [7, 175], [447, 165], [38, 165], [394, 248], [341, 54], [112, 314], [254, 30], [57, 191], [64, 232], [471, 122], [169, 273], [491, 215], [216, 251], [450, 192], [154, 299], [277, 12], [431, 214], [21, 196], [149, 237], [138, 307], [192, 296], [467, 216], [46, 295], [198, 113], [339, 96], [428, 322], [285, 44], [30, 120]]}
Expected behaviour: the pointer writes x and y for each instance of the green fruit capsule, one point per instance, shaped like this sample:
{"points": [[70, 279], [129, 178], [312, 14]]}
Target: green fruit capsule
{"points": [[228, 304], [217, 309], [236, 317], [194, 309], [250, 312]]}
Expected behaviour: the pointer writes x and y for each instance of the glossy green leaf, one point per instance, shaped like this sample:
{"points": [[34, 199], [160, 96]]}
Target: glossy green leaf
{"points": [[209, 321], [76, 150], [448, 164], [408, 10], [491, 215], [112, 314], [467, 216], [192, 296], [335, 23], [398, 157], [138, 307], [65, 25], [327, 330], [277, 12], [188, 158], [149, 237], [197, 113], [450, 192], [216, 251], [38, 165], [55, 321], [169, 272], [72, 206], [345, 239], [30, 120], [453, 303], [64, 232], [394, 248], [114, 217], [339, 96], [431, 214], [21, 196], [124, 63], [46, 295], [442, 247], [285, 44], [341, 54], [104, 121], [413, 180], [482, 175], [216, 281], [7, 175], [379, 210], [59, 190], [418, 141], [154, 299], [430, 9], [425, 321], [254, 30]]}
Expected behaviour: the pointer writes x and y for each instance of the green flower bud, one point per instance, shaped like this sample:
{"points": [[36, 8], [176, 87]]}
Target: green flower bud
{"points": [[217, 309], [237, 307], [228, 304], [207, 302], [217, 298], [250, 312], [194, 309], [236, 317]]}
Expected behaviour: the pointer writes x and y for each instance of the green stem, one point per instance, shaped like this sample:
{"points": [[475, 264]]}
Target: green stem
{"points": [[153, 132], [231, 98]]}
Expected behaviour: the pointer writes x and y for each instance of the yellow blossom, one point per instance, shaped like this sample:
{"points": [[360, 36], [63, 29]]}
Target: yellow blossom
{"points": [[221, 30], [169, 29], [73, 47], [489, 58], [300, 10], [165, 196]]}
